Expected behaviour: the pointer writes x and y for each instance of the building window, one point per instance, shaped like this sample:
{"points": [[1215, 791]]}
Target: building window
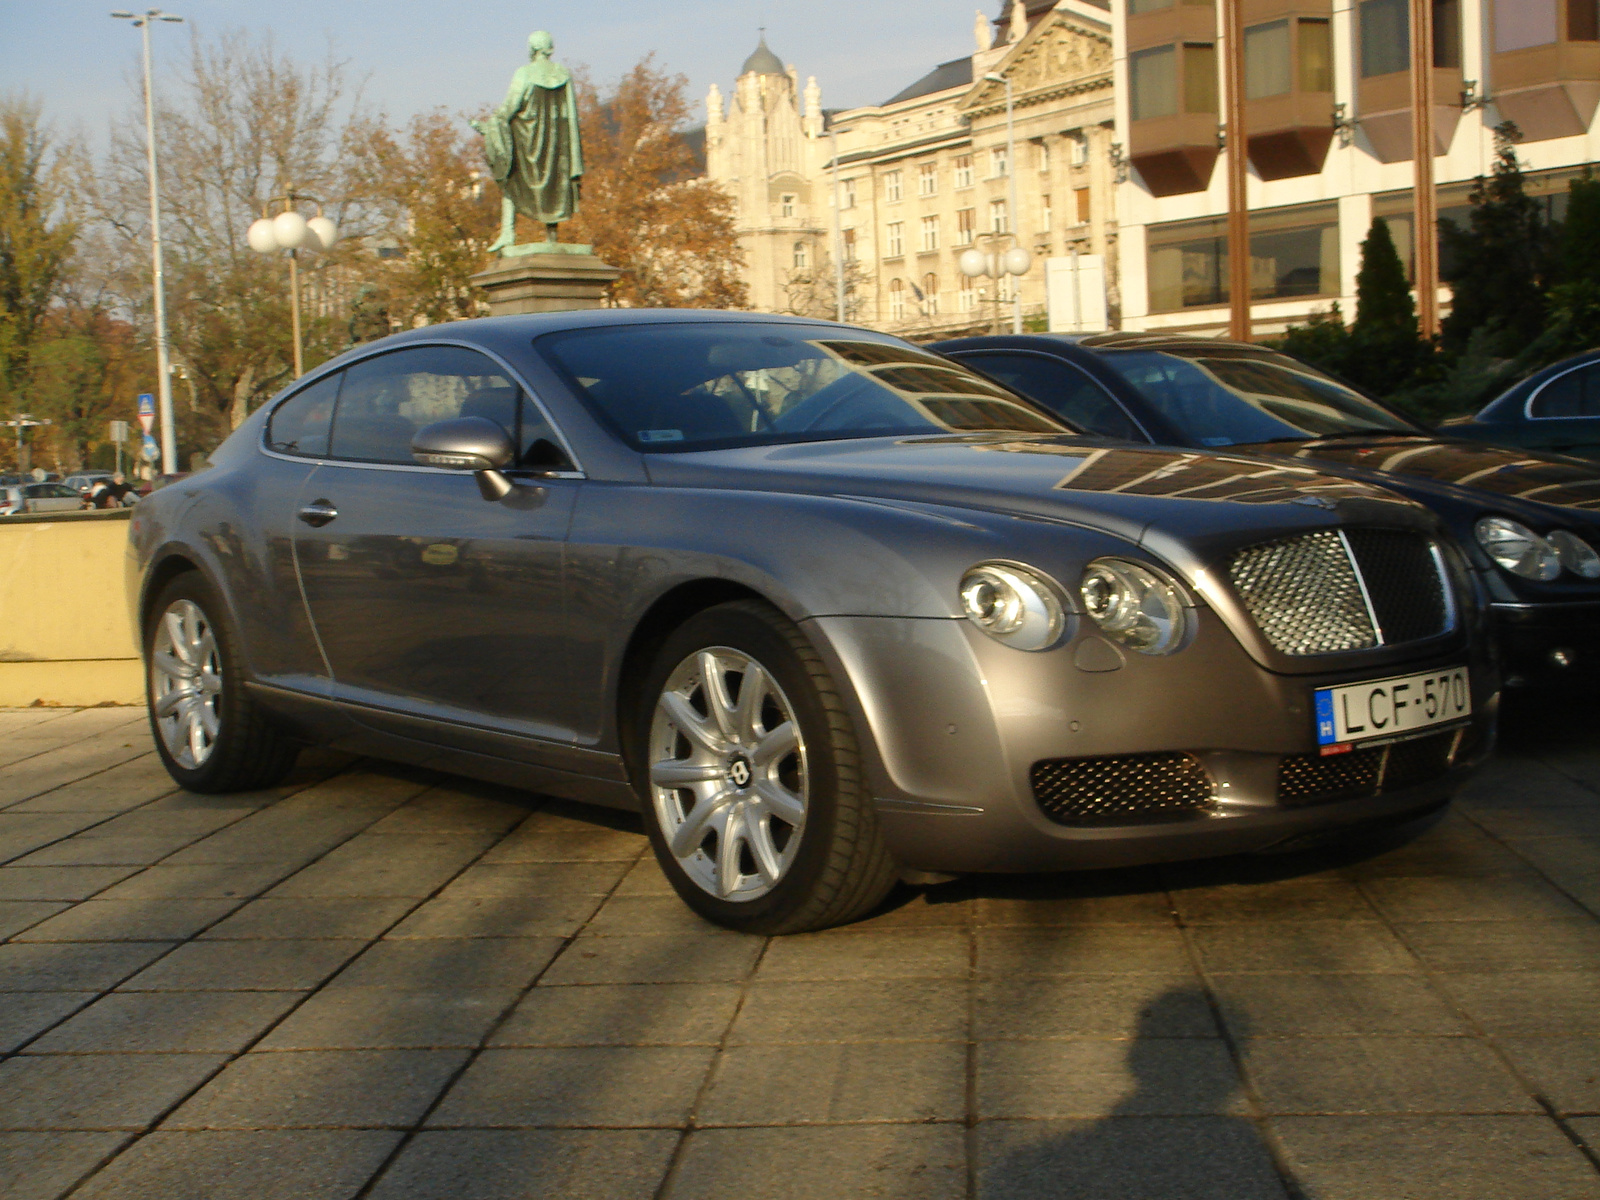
{"points": [[1316, 54], [966, 226], [997, 162], [1519, 24], [1386, 37], [848, 188], [930, 295], [1078, 143], [1583, 22], [998, 217], [1153, 74], [930, 233], [1047, 216], [892, 188], [786, 205], [1447, 30], [1199, 77], [963, 171], [928, 179], [1266, 60], [849, 238], [802, 256], [967, 294], [1080, 201], [897, 300], [1293, 253], [1044, 157], [894, 242]]}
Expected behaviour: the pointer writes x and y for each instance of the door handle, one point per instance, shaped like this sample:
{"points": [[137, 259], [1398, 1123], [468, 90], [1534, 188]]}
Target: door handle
{"points": [[318, 513]]}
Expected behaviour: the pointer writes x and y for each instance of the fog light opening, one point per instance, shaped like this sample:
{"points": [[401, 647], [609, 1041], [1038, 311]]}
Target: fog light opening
{"points": [[1561, 657]]}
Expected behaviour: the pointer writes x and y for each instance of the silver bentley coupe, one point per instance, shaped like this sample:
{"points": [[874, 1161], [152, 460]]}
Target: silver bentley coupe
{"points": [[828, 610]]}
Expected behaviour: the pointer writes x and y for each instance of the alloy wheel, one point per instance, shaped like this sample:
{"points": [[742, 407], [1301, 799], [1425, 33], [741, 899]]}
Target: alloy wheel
{"points": [[728, 773], [186, 683]]}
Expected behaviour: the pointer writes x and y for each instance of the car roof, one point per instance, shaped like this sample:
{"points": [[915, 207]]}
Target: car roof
{"points": [[1117, 340]]}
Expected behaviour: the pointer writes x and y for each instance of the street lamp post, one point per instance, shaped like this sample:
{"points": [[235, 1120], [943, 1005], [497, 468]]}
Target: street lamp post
{"points": [[292, 232], [169, 437], [1015, 221], [996, 264], [838, 235], [22, 423]]}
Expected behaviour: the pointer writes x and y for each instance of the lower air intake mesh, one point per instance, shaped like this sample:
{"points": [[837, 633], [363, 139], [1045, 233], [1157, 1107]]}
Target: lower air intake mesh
{"points": [[1305, 779], [1303, 594], [1126, 789]]}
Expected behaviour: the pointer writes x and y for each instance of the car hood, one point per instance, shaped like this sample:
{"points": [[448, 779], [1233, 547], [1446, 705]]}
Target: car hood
{"points": [[1110, 486], [1507, 478]]}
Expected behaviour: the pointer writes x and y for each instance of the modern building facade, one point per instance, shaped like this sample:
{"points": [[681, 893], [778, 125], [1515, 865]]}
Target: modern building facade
{"points": [[1327, 111], [924, 176]]}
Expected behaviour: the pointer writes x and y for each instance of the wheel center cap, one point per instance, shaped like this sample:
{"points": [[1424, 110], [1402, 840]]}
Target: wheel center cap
{"points": [[739, 771]]}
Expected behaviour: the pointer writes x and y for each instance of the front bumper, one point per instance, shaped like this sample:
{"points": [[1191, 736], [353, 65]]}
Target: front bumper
{"points": [[1549, 645], [954, 724]]}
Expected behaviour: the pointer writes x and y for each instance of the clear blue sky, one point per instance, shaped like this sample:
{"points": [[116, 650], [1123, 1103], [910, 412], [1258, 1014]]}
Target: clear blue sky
{"points": [[417, 55]]}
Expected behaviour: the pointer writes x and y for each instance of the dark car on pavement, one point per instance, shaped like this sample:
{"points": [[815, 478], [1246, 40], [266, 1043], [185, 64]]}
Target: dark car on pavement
{"points": [[1556, 409], [1529, 522], [825, 608]]}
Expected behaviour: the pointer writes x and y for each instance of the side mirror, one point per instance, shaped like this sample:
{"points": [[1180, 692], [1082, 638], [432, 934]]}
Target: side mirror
{"points": [[473, 444]]}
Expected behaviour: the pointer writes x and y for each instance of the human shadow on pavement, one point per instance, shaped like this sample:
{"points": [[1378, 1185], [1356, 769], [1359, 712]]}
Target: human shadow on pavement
{"points": [[1179, 1134]]}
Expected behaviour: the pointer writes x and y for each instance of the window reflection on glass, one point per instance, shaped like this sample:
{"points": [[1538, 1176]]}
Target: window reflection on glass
{"points": [[1385, 37], [1293, 253], [1223, 398], [1199, 77], [1266, 60], [1519, 24], [1447, 33], [1583, 20], [1316, 55], [1154, 77]]}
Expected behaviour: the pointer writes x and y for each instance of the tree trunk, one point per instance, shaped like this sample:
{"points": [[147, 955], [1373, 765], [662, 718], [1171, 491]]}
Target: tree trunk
{"points": [[240, 409]]}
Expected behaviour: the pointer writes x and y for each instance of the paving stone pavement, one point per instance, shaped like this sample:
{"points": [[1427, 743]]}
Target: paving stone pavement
{"points": [[378, 982]]}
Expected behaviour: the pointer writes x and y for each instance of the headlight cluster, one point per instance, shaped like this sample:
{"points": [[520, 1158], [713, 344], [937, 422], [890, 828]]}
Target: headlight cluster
{"points": [[1517, 549], [1132, 604]]}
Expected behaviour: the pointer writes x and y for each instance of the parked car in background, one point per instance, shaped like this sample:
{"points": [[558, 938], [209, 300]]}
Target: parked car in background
{"points": [[1530, 521], [826, 608], [1556, 409], [84, 480], [38, 497]]}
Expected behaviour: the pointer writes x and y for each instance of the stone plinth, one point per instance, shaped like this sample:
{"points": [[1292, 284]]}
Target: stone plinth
{"points": [[545, 282]]}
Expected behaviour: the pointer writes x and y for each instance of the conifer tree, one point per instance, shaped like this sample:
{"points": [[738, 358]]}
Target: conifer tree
{"points": [[1384, 308], [1575, 300]]}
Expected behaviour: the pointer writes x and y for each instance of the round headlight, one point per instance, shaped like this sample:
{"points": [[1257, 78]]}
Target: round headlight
{"points": [[1013, 605], [1518, 549], [1576, 555], [1134, 605]]}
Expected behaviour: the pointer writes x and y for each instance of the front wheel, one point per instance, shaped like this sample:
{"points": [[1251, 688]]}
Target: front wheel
{"points": [[210, 734], [753, 796]]}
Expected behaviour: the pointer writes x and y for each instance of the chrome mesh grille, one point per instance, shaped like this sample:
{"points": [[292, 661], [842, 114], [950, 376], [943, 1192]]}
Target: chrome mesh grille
{"points": [[1123, 789], [1303, 594], [1305, 779]]}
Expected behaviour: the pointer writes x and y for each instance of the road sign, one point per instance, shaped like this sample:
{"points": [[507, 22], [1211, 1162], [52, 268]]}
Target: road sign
{"points": [[119, 431], [149, 451], [147, 412]]}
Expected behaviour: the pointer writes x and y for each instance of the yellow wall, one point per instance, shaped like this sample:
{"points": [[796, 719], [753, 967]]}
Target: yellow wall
{"points": [[65, 632]]}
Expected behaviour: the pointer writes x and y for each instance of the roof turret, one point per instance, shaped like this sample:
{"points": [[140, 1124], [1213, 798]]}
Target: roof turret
{"points": [[763, 61]]}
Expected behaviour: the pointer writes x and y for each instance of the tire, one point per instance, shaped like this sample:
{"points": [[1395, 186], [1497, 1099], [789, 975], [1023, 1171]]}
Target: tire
{"points": [[761, 820], [211, 736]]}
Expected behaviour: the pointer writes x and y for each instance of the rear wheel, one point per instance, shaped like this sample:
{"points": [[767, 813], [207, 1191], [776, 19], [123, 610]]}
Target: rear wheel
{"points": [[754, 801], [210, 734]]}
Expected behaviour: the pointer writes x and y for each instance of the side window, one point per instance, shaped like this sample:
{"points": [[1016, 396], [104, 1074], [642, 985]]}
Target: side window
{"points": [[1061, 388], [1575, 394], [386, 399], [536, 429], [300, 424]]}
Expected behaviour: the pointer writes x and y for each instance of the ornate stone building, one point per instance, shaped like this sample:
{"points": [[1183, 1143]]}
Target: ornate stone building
{"points": [[924, 176]]}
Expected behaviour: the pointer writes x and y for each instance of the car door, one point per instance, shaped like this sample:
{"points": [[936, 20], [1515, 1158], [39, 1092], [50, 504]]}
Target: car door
{"points": [[1564, 414], [1059, 386], [52, 497], [439, 612]]}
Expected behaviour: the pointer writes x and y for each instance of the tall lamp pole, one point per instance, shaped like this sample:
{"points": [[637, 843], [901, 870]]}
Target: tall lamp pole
{"points": [[1425, 215], [838, 235], [1237, 145], [292, 232], [1011, 179], [169, 437]]}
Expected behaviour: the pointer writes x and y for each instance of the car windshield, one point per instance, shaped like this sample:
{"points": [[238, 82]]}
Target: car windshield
{"points": [[701, 386], [1228, 397]]}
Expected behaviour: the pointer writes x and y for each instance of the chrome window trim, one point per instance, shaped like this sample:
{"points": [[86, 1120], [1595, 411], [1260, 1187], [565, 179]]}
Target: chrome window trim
{"points": [[1527, 405], [345, 364], [1451, 612], [962, 355]]}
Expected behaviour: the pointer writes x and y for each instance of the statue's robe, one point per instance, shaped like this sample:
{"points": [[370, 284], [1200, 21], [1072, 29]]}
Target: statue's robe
{"points": [[532, 143]]}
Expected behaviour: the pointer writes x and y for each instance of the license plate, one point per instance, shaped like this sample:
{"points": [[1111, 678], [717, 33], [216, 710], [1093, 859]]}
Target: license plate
{"points": [[1385, 707]]}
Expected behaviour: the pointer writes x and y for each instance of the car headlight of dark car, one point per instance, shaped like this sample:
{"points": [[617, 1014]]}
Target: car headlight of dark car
{"points": [[1517, 549], [1014, 605], [1135, 605], [1576, 555]]}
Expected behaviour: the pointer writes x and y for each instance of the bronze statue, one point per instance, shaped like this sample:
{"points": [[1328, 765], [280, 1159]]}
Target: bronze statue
{"points": [[534, 149]]}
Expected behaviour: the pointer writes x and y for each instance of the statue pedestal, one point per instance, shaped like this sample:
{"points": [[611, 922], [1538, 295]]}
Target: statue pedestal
{"points": [[535, 282]]}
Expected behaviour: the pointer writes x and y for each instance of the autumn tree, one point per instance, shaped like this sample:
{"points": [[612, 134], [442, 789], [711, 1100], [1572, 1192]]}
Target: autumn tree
{"points": [[36, 239], [238, 123], [646, 206]]}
